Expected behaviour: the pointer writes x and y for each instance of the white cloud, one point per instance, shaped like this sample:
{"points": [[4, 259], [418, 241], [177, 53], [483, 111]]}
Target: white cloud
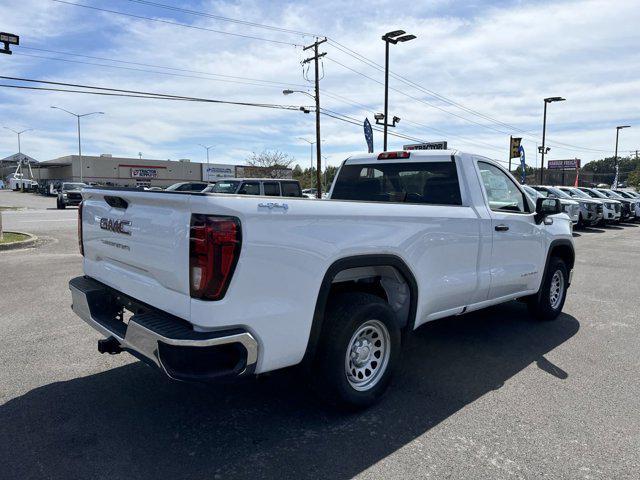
{"points": [[497, 60]]}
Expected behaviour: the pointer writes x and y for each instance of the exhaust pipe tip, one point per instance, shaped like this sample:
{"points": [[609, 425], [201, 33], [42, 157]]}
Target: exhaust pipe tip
{"points": [[109, 345]]}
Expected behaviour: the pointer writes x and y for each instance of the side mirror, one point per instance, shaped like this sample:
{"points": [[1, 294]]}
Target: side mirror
{"points": [[547, 206]]}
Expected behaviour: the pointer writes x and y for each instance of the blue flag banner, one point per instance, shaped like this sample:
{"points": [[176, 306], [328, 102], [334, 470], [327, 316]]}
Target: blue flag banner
{"points": [[523, 164], [368, 135]]}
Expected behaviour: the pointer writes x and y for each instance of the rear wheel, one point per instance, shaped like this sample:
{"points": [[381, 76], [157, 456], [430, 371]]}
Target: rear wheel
{"points": [[358, 352], [548, 302]]}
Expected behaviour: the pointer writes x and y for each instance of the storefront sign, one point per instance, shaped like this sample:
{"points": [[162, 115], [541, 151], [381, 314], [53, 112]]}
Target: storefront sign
{"points": [[144, 173]]}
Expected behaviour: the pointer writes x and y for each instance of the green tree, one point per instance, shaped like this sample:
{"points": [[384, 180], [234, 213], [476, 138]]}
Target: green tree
{"points": [[633, 180]]}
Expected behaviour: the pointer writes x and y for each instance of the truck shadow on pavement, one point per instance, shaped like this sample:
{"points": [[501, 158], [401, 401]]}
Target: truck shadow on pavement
{"points": [[129, 422]]}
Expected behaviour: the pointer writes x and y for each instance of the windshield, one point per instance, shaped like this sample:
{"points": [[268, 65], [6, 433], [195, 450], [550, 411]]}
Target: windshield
{"points": [[541, 192], [623, 194], [531, 191], [609, 193], [225, 187], [558, 193], [73, 186], [574, 192], [594, 193]]}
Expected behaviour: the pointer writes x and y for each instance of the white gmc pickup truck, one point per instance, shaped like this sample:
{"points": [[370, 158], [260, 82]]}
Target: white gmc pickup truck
{"points": [[212, 286]]}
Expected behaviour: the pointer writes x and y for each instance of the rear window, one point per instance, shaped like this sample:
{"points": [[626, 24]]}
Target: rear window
{"points": [[434, 183], [271, 189], [250, 188], [291, 189]]}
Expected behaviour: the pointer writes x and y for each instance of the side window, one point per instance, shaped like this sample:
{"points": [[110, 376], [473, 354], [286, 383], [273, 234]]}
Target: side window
{"points": [[250, 188], [271, 189], [291, 189], [502, 192]]}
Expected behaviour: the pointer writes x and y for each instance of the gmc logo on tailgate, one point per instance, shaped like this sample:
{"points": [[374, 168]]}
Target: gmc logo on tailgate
{"points": [[115, 226]]}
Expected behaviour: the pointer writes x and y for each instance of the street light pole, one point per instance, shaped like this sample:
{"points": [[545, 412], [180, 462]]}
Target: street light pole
{"points": [[544, 131], [311, 144], [78, 117], [18, 133], [390, 37], [207, 148], [616, 180]]}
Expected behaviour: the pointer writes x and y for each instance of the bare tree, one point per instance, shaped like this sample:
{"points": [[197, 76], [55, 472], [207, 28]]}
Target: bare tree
{"points": [[268, 164]]}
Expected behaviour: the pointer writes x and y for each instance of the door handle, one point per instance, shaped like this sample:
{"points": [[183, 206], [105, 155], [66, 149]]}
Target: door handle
{"points": [[501, 228]]}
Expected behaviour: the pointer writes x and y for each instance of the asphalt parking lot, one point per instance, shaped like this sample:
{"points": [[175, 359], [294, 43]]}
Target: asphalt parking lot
{"points": [[492, 394]]}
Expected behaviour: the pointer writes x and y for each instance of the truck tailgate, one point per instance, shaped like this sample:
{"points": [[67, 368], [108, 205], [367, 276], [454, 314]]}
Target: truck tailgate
{"points": [[138, 243]]}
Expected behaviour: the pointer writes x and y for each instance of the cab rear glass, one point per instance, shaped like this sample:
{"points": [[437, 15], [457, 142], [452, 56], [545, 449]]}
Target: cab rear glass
{"points": [[433, 183]]}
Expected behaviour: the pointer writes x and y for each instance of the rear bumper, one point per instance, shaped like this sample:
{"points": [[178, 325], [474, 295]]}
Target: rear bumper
{"points": [[161, 339]]}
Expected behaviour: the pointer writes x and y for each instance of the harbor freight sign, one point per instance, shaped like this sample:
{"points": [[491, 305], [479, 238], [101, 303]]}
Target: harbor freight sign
{"points": [[144, 173], [572, 164], [426, 146]]}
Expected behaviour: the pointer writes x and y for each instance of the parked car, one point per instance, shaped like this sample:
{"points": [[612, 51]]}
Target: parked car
{"points": [[335, 286], [257, 186], [592, 210], [310, 192], [187, 187], [569, 206], [69, 193], [612, 208], [631, 196], [628, 205]]}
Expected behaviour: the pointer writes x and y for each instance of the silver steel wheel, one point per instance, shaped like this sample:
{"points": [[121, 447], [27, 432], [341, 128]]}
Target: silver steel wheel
{"points": [[367, 355], [557, 289]]}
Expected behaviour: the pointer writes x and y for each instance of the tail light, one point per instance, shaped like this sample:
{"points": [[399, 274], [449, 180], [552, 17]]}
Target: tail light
{"points": [[80, 244], [214, 248]]}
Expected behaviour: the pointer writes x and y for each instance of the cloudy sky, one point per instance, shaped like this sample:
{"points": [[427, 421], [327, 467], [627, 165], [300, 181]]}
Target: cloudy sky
{"points": [[477, 73]]}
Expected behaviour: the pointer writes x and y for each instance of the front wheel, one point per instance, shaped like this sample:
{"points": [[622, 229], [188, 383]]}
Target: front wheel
{"points": [[358, 352], [548, 302]]}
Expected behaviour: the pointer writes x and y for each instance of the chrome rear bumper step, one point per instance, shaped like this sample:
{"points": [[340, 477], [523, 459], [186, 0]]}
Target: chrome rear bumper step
{"points": [[162, 339]]}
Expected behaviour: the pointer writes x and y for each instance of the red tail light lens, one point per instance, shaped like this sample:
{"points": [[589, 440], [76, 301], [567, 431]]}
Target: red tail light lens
{"points": [[214, 249], [393, 155], [80, 244]]}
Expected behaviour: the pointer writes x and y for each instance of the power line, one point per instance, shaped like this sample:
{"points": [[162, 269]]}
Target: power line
{"points": [[378, 67], [93, 57], [168, 22], [138, 94], [275, 85], [224, 19], [422, 125], [373, 64]]}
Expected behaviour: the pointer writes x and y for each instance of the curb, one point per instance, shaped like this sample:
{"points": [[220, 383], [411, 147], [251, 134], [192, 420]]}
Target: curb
{"points": [[19, 244]]}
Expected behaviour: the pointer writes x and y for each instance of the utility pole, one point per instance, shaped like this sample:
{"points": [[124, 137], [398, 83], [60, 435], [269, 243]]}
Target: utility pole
{"points": [[316, 57], [510, 143]]}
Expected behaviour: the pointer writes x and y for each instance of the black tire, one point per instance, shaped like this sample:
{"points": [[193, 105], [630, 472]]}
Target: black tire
{"points": [[541, 305], [61, 205], [346, 315]]}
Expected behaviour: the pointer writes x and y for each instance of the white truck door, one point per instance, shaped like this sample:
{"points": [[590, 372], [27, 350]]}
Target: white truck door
{"points": [[517, 256]]}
